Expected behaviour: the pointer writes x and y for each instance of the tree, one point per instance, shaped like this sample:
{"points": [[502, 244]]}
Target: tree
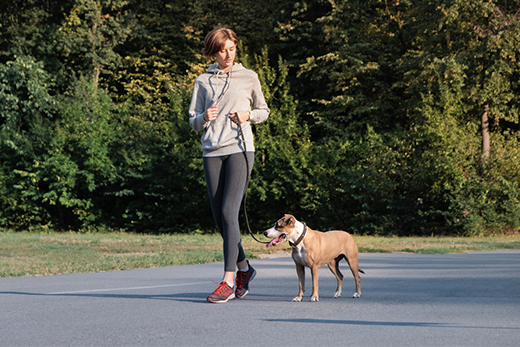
{"points": [[302, 36], [29, 28], [282, 173], [358, 70], [26, 113], [496, 83], [382, 113], [460, 72], [482, 38], [91, 32]]}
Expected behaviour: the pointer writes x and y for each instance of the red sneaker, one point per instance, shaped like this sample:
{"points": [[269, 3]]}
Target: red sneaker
{"points": [[222, 294], [242, 281]]}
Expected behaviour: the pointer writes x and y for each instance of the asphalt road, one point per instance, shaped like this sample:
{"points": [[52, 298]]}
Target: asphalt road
{"points": [[468, 299]]}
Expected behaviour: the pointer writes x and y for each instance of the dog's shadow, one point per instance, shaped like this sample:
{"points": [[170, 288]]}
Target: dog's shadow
{"points": [[382, 323]]}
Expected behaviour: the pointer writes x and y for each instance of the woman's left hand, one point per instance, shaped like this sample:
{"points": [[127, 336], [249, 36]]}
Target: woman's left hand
{"points": [[240, 116]]}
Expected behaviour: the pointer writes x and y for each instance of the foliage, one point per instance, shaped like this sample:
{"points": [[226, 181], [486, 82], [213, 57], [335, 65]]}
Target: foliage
{"points": [[281, 171], [26, 112], [89, 34], [387, 118]]}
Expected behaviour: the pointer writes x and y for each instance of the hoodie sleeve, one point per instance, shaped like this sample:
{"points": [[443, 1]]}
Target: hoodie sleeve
{"points": [[197, 108], [260, 110]]}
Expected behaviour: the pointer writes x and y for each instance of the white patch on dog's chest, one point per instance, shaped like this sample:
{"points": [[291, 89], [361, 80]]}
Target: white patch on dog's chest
{"points": [[299, 255]]}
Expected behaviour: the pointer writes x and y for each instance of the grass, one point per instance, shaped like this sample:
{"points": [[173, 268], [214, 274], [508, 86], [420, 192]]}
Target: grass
{"points": [[436, 245], [32, 254]]}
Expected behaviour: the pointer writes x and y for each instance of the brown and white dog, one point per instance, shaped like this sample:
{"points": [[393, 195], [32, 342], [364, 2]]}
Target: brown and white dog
{"points": [[314, 249]]}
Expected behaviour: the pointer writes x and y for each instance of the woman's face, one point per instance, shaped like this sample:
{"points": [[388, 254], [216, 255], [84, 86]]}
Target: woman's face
{"points": [[226, 56]]}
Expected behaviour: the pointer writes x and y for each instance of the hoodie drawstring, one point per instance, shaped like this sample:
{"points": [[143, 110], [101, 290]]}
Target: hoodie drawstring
{"points": [[224, 89]]}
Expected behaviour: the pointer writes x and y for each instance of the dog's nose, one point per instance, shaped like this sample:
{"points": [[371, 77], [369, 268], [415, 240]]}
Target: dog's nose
{"points": [[265, 233]]}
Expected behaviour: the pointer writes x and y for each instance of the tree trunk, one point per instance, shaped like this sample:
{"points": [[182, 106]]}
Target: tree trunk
{"points": [[97, 70], [485, 132]]}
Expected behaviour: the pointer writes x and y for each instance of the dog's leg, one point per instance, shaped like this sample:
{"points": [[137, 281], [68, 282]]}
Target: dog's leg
{"points": [[334, 268], [315, 277], [301, 280], [354, 267]]}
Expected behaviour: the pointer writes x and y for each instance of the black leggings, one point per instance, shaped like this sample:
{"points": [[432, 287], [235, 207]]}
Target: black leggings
{"points": [[226, 181]]}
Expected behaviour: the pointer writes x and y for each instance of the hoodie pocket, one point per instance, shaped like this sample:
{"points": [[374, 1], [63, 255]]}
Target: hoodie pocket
{"points": [[220, 133]]}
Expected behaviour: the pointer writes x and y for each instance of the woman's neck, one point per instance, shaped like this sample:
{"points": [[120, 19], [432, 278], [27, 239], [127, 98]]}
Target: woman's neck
{"points": [[226, 68]]}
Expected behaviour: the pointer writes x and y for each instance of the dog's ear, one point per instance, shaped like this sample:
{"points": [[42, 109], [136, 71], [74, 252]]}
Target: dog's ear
{"points": [[280, 223], [289, 220]]}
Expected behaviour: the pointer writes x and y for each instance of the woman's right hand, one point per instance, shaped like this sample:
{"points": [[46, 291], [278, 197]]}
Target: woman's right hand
{"points": [[211, 114]]}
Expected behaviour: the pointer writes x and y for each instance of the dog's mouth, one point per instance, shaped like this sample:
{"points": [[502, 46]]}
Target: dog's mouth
{"points": [[277, 241]]}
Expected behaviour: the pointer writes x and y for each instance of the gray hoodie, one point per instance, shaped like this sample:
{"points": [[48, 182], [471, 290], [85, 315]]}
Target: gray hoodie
{"points": [[237, 89]]}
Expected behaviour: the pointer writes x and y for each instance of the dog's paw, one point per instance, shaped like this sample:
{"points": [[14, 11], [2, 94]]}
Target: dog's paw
{"points": [[313, 299], [337, 294], [356, 295], [297, 299]]}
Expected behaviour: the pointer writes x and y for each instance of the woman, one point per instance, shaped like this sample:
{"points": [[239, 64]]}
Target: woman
{"points": [[226, 96]]}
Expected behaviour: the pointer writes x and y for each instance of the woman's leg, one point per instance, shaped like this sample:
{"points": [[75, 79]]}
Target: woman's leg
{"points": [[214, 172], [226, 180]]}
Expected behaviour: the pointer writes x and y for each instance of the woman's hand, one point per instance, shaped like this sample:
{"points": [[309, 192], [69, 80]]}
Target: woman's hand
{"points": [[240, 116], [210, 114]]}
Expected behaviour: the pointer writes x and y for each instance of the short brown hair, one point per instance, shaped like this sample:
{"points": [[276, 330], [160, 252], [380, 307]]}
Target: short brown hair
{"points": [[216, 39]]}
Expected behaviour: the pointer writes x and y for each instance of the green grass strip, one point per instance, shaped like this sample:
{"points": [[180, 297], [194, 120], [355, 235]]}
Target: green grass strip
{"points": [[32, 254]]}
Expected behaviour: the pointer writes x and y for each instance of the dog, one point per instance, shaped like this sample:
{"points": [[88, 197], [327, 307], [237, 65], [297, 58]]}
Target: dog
{"points": [[314, 249]]}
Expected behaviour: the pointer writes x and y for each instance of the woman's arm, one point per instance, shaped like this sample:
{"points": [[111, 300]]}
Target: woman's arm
{"points": [[260, 110], [197, 109]]}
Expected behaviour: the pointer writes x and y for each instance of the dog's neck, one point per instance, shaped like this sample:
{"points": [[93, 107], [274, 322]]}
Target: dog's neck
{"points": [[301, 231]]}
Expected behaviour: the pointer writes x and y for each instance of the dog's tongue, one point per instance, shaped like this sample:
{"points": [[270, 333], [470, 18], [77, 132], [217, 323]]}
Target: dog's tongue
{"points": [[275, 242]]}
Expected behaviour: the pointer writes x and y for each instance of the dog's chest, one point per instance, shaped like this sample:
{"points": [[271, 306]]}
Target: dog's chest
{"points": [[298, 255]]}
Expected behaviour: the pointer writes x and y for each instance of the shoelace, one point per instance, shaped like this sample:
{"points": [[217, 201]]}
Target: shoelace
{"points": [[241, 275], [221, 287]]}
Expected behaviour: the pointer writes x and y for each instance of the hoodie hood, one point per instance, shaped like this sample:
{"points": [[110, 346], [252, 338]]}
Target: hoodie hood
{"points": [[221, 80]]}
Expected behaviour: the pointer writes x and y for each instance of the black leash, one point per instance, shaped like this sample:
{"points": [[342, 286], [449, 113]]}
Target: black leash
{"points": [[247, 183], [224, 90]]}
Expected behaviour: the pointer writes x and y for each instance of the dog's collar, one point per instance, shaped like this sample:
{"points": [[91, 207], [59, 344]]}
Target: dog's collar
{"points": [[299, 238]]}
